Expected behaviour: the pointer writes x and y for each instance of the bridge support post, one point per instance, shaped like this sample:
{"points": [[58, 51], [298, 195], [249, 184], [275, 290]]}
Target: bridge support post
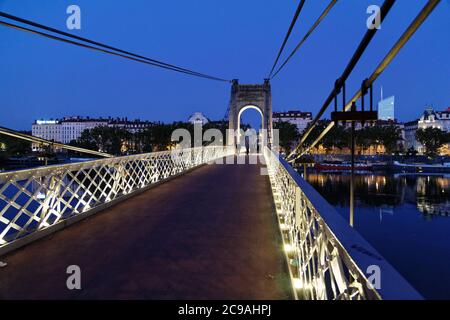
{"points": [[245, 96]]}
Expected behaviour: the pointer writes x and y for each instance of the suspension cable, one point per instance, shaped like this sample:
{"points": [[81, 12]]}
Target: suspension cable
{"points": [[153, 62], [387, 5], [310, 31], [46, 35], [23, 136], [405, 37], [286, 37]]}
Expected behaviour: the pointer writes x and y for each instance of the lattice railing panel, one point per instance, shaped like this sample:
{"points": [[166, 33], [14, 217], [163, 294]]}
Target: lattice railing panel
{"points": [[320, 266], [34, 199]]}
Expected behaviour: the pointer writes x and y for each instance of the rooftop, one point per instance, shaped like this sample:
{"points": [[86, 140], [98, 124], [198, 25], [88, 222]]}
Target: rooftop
{"points": [[292, 113], [117, 120]]}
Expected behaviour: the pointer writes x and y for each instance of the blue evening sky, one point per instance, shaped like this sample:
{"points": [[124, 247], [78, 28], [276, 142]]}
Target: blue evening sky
{"points": [[41, 78]]}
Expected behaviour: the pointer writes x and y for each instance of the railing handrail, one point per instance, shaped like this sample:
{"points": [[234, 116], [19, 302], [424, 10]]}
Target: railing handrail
{"points": [[357, 250], [41, 171]]}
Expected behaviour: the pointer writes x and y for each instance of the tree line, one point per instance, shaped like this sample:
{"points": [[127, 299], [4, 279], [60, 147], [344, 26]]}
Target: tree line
{"points": [[387, 136], [157, 137], [339, 137], [432, 139], [119, 141]]}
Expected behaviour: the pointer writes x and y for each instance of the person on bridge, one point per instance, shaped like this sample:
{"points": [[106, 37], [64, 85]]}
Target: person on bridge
{"points": [[247, 144]]}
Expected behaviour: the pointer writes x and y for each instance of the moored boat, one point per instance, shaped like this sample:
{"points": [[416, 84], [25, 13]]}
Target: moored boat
{"points": [[398, 167], [342, 166]]}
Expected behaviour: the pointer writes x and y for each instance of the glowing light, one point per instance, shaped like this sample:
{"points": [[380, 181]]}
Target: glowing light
{"points": [[40, 196], [288, 248], [46, 122], [297, 283]]}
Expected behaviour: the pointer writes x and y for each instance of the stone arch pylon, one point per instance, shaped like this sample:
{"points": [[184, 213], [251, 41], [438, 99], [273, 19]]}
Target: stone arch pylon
{"points": [[244, 96]]}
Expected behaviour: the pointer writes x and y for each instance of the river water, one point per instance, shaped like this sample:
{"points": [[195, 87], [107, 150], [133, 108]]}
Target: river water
{"points": [[405, 217]]}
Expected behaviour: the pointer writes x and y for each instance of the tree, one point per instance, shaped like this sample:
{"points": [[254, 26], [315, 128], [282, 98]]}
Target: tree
{"points": [[432, 139], [315, 132], [389, 136], [158, 137], [366, 137], [104, 139], [337, 137], [143, 141], [14, 146], [287, 134]]}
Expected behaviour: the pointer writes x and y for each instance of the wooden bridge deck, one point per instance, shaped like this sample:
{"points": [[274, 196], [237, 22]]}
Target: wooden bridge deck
{"points": [[209, 234]]}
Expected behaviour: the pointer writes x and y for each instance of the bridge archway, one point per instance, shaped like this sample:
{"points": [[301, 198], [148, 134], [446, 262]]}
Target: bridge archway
{"points": [[250, 96], [241, 111]]}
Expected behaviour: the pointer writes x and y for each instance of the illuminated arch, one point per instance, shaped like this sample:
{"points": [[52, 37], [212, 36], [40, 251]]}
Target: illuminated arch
{"points": [[250, 106]]}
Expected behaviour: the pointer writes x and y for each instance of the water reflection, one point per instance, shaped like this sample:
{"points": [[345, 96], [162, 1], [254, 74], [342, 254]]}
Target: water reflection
{"points": [[405, 217], [429, 193]]}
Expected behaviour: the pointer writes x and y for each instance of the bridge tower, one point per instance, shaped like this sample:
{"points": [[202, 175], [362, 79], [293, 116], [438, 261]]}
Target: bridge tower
{"points": [[250, 96]]}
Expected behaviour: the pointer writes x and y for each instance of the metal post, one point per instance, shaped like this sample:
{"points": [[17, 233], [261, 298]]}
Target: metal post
{"points": [[343, 97], [352, 195], [304, 171], [343, 101]]}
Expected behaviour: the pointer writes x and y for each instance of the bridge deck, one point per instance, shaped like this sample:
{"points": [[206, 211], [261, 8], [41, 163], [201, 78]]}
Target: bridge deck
{"points": [[209, 234]]}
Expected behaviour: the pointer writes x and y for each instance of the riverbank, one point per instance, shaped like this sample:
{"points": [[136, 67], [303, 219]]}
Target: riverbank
{"points": [[380, 163]]}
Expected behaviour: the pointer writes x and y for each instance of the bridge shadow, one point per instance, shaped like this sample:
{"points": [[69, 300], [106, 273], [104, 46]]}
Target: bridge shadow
{"points": [[209, 234]]}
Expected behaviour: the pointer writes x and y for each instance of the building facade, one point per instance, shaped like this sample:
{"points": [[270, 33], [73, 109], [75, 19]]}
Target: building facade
{"points": [[435, 119], [68, 129], [132, 126], [47, 129], [297, 118], [429, 119], [386, 109], [72, 127]]}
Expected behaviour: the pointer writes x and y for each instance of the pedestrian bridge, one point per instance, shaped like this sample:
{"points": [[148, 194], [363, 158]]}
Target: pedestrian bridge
{"points": [[199, 223]]}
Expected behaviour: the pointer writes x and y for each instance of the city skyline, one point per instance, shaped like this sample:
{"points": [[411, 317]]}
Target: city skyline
{"points": [[59, 79], [224, 151], [276, 110]]}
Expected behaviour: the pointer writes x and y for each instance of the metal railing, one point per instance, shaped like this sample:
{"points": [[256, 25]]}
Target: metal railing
{"points": [[327, 258], [35, 200]]}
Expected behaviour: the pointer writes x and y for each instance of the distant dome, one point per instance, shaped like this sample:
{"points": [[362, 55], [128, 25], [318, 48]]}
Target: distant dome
{"points": [[198, 118], [428, 112]]}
